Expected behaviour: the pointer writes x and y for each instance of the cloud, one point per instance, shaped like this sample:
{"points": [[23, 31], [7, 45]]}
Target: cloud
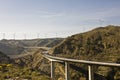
{"points": [[104, 14], [47, 14], [94, 18]]}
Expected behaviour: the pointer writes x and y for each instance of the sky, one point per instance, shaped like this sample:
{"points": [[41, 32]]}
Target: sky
{"points": [[55, 18]]}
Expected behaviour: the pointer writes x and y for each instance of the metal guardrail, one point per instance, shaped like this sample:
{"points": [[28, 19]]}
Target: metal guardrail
{"points": [[66, 60], [82, 61]]}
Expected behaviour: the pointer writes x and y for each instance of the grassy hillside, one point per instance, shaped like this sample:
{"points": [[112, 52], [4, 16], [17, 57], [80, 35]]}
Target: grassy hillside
{"points": [[101, 44], [30, 67], [104, 40], [35, 63]]}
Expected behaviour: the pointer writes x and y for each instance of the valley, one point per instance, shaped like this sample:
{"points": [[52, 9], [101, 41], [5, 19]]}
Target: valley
{"points": [[24, 59]]}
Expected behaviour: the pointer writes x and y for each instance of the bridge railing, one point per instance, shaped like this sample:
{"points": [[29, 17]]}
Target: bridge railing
{"points": [[66, 61]]}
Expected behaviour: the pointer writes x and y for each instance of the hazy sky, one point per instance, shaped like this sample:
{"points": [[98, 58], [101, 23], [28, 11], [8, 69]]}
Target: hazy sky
{"points": [[52, 18]]}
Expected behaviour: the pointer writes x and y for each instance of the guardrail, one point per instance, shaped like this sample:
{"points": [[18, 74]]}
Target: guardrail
{"points": [[66, 61]]}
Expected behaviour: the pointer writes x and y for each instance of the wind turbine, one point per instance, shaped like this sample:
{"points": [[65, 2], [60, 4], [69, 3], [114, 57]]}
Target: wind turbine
{"points": [[14, 36], [3, 35], [101, 22]]}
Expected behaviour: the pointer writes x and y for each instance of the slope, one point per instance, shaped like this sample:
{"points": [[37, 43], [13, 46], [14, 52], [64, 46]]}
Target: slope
{"points": [[4, 58], [101, 44]]}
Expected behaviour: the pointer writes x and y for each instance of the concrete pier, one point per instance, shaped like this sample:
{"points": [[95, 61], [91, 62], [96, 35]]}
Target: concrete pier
{"points": [[52, 70], [67, 71], [90, 72]]}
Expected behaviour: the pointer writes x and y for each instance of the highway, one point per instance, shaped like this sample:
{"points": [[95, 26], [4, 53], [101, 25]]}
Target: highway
{"points": [[82, 61]]}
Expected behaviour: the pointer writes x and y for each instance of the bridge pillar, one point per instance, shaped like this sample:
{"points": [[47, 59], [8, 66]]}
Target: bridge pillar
{"points": [[90, 72], [52, 70], [66, 71]]}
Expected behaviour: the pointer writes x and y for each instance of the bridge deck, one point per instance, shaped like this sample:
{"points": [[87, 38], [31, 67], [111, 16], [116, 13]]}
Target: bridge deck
{"points": [[90, 65], [82, 61]]}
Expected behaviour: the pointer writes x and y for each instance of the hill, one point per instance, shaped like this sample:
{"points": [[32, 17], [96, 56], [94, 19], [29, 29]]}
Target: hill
{"points": [[101, 44], [11, 47], [103, 40], [35, 60], [51, 42], [24, 66], [4, 58]]}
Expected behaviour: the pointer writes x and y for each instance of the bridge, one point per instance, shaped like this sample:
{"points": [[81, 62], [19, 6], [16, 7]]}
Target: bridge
{"points": [[90, 65]]}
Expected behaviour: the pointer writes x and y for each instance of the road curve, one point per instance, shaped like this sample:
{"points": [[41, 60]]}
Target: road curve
{"points": [[80, 61]]}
